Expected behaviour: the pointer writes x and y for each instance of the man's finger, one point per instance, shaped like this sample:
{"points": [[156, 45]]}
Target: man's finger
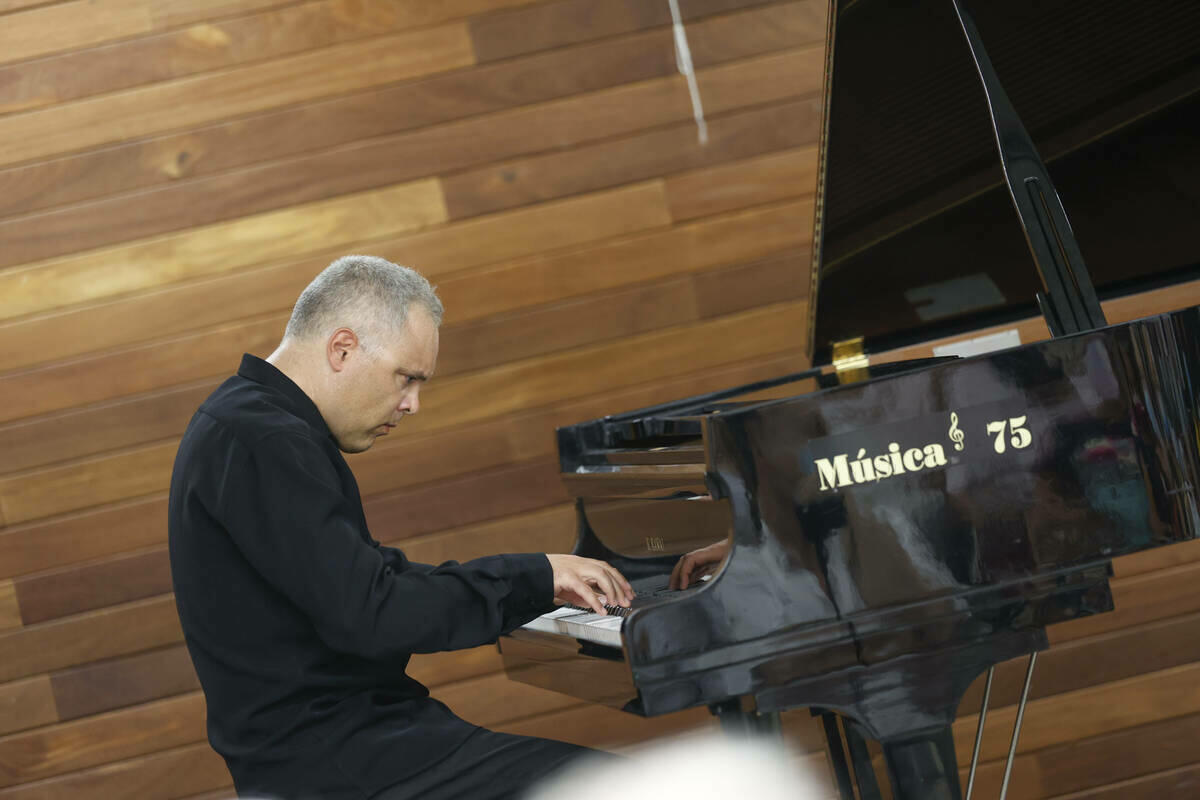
{"points": [[588, 596]]}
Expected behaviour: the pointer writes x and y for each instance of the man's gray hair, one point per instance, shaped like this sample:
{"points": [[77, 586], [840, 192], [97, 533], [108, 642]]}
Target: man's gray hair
{"points": [[367, 294]]}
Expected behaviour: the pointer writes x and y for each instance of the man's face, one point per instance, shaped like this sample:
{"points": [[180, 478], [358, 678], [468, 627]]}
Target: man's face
{"points": [[374, 390]]}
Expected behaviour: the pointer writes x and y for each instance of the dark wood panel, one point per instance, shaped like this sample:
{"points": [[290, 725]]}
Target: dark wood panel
{"points": [[464, 501], [1084, 663], [288, 132], [550, 530], [493, 699], [725, 187], [80, 537], [162, 776], [613, 162], [71, 590], [109, 426], [1139, 599], [1181, 782], [83, 484], [732, 239], [1059, 719], [556, 24], [1095, 761], [54, 750], [27, 703], [203, 99], [119, 682], [111, 632], [212, 45]]}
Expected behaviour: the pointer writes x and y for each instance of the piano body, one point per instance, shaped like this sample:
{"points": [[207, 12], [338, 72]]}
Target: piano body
{"points": [[896, 530]]}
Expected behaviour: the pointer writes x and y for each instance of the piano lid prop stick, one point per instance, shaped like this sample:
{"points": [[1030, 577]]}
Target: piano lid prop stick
{"points": [[683, 60], [987, 693], [1012, 748]]}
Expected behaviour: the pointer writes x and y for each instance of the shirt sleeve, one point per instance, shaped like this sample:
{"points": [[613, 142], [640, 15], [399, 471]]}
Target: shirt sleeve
{"points": [[283, 504]]}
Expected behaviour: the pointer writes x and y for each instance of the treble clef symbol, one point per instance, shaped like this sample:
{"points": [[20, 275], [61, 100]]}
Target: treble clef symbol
{"points": [[956, 435]]}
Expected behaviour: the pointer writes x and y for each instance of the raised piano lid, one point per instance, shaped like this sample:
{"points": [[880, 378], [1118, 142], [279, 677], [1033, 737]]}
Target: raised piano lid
{"points": [[916, 234]]}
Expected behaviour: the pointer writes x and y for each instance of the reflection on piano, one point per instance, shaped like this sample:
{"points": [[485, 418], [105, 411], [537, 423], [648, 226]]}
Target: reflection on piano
{"points": [[892, 538]]}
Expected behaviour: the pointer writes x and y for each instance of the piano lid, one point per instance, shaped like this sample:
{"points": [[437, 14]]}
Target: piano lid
{"points": [[916, 233]]}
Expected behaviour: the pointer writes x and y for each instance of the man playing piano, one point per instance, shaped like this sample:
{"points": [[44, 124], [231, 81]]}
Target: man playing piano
{"points": [[300, 625]]}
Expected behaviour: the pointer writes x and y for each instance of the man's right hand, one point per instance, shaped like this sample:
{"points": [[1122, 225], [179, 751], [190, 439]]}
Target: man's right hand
{"points": [[588, 583]]}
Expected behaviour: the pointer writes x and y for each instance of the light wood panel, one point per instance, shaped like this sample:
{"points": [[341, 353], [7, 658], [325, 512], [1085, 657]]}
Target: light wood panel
{"points": [[57, 749], [162, 776], [114, 631], [10, 610], [203, 99], [211, 45], [27, 703], [218, 248], [320, 175]]}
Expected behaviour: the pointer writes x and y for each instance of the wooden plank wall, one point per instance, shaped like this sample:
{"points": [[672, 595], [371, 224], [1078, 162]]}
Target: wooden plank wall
{"points": [[173, 172]]}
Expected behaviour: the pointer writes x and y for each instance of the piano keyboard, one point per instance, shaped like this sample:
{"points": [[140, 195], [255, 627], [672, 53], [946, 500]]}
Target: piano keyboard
{"points": [[586, 625]]}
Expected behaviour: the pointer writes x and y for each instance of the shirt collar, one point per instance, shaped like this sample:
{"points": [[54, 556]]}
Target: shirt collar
{"points": [[256, 369]]}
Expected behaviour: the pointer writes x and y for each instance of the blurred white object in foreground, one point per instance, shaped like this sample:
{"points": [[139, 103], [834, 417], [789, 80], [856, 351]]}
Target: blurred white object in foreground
{"points": [[700, 766]]}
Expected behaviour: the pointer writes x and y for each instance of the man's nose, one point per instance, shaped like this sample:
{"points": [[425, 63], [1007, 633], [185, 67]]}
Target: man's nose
{"points": [[411, 403]]}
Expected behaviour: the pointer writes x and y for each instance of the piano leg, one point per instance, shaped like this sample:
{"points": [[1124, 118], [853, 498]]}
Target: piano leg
{"points": [[737, 721], [862, 785], [924, 767]]}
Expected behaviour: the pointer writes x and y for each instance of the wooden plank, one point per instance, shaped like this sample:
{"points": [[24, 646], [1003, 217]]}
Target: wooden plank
{"points": [[549, 530], [1180, 782], [1157, 558], [104, 686], [556, 24], [200, 99], [67, 26], [602, 727], [80, 537], [751, 182], [57, 490], [114, 631], [162, 776], [493, 699], [731, 239], [209, 45], [27, 703], [10, 608], [1058, 720], [466, 399], [1094, 761], [464, 501], [70, 746], [1139, 599], [189, 359], [657, 152], [434, 669], [380, 161], [1082, 663], [116, 425], [329, 123], [315, 227], [72, 590]]}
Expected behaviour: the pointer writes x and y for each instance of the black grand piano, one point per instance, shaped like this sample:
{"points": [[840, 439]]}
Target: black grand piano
{"points": [[896, 530]]}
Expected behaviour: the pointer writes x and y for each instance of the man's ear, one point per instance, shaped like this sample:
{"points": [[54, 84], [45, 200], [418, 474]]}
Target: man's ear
{"points": [[341, 346]]}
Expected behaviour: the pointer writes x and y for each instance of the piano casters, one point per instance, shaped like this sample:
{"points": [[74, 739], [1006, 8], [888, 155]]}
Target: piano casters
{"points": [[1016, 734]]}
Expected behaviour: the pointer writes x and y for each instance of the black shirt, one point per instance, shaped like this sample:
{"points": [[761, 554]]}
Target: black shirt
{"points": [[300, 625]]}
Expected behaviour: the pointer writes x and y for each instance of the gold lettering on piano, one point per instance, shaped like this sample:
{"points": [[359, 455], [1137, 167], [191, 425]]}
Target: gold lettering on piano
{"points": [[654, 544], [844, 469]]}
